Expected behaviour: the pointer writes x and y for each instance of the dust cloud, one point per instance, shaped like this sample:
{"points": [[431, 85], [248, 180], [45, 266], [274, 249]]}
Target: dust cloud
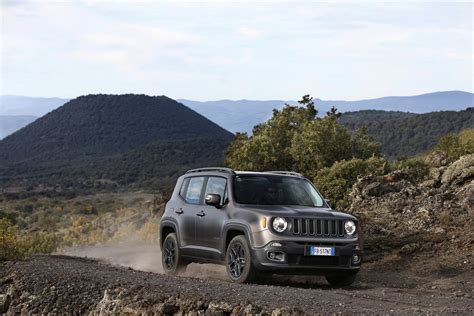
{"points": [[143, 257]]}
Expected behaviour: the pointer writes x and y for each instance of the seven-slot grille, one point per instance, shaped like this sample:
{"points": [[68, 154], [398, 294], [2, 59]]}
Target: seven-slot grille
{"points": [[318, 227]]}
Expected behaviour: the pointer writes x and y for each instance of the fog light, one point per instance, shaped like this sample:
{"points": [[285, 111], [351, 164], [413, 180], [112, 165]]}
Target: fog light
{"points": [[355, 259], [277, 256], [275, 244]]}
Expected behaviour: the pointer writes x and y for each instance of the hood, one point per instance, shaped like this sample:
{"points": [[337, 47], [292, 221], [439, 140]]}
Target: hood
{"points": [[296, 211]]}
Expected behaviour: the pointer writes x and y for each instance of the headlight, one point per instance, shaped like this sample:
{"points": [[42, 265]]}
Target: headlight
{"points": [[280, 224], [350, 227]]}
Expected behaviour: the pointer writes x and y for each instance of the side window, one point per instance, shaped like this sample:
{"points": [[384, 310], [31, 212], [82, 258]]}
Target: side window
{"points": [[182, 191], [216, 185], [193, 193]]}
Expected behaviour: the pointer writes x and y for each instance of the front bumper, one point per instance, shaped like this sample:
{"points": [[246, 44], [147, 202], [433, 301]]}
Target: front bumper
{"points": [[295, 258]]}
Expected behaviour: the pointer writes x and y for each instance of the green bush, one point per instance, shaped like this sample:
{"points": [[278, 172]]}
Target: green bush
{"points": [[457, 145], [336, 182], [415, 168]]}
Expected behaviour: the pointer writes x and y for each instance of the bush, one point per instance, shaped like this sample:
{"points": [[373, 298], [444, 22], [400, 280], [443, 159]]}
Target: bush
{"points": [[16, 245], [457, 145], [415, 168], [11, 247], [336, 182]]}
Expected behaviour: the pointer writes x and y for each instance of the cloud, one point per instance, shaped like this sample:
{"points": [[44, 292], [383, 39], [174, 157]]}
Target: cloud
{"points": [[249, 32]]}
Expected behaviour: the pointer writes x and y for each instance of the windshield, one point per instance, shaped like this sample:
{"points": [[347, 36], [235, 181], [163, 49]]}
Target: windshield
{"points": [[275, 190]]}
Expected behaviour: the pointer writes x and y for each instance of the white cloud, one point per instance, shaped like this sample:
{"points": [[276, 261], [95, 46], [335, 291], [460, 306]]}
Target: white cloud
{"points": [[249, 32]]}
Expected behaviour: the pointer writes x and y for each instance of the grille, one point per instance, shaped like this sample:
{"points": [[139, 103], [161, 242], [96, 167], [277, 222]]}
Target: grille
{"points": [[318, 227]]}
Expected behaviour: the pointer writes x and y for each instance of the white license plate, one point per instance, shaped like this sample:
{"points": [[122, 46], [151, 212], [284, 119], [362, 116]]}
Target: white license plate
{"points": [[321, 251]]}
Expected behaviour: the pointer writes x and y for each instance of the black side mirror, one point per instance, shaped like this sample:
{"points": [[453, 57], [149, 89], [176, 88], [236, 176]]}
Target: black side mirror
{"points": [[213, 199]]}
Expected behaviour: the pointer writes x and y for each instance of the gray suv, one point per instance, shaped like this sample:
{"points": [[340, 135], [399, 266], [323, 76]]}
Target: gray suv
{"points": [[257, 223]]}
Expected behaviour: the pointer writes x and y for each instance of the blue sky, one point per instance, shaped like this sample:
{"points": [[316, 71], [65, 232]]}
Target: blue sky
{"points": [[235, 50]]}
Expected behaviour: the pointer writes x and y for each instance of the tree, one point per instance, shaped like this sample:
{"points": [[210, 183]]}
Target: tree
{"points": [[296, 139]]}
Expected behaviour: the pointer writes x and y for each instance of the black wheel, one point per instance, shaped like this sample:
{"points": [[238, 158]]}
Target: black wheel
{"points": [[341, 280], [170, 258], [239, 261]]}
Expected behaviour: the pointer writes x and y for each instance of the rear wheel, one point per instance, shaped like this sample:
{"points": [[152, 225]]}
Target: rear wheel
{"points": [[170, 257], [239, 261], [341, 280]]}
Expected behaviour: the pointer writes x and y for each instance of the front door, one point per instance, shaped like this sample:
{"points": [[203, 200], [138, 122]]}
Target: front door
{"points": [[209, 225]]}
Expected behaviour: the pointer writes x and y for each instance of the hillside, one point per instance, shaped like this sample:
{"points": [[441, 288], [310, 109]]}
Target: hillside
{"points": [[405, 134], [11, 123], [123, 138]]}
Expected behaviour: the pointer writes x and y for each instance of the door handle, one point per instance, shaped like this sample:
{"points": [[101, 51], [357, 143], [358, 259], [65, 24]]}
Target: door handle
{"points": [[201, 214], [180, 211]]}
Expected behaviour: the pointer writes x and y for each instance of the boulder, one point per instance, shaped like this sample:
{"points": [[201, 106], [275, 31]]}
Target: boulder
{"points": [[459, 172]]}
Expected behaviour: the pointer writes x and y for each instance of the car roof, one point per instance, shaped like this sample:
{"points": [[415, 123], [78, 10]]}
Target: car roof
{"points": [[221, 170]]}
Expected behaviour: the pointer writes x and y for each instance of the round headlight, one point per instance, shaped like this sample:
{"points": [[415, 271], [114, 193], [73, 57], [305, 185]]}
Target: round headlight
{"points": [[280, 224], [350, 227]]}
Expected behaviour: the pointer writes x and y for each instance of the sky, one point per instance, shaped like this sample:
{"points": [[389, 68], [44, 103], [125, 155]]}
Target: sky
{"points": [[235, 50]]}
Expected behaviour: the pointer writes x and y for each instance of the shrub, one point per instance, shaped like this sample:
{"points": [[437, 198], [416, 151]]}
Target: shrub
{"points": [[336, 181], [415, 168], [11, 247], [457, 145]]}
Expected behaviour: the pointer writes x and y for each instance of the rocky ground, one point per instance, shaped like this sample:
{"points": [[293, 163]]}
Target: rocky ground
{"points": [[426, 227], [58, 284]]}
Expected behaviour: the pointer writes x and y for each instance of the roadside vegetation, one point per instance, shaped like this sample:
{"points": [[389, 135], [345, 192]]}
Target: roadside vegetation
{"points": [[43, 225]]}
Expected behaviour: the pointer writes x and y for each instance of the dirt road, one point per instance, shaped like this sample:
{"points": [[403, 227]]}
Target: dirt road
{"points": [[70, 284]]}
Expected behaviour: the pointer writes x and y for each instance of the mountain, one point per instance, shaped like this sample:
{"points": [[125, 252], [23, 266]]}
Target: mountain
{"points": [[19, 105], [122, 138], [406, 134], [12, 123], [243, 115]]}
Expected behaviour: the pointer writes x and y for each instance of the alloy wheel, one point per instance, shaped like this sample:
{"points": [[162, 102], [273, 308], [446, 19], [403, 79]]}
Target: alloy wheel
{"points": [[237, 260]]}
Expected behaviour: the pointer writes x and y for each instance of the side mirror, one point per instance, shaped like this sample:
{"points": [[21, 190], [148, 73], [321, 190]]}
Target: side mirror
{"points": [[213, 199]]}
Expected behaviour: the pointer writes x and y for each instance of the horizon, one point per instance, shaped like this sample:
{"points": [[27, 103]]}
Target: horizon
{"points": [[236, 100], [236, 51]]}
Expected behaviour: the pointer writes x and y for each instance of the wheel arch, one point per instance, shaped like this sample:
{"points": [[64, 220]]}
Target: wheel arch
{"points": [[232, 230]]}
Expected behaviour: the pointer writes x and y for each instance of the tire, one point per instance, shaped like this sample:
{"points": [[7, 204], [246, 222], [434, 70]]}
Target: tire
{"points": [[238, 261], [341, 280], [171, 260]]}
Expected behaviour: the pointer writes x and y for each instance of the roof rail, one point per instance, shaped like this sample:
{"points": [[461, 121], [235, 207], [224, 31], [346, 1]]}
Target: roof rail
{"points": [[293, 173], [217, 169]]}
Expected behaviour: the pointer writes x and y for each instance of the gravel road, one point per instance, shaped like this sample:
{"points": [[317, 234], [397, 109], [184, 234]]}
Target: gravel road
{"points": [[57, 283]]}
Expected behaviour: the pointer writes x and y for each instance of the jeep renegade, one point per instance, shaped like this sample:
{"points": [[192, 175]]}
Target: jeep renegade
{"points": [[257, 223]]}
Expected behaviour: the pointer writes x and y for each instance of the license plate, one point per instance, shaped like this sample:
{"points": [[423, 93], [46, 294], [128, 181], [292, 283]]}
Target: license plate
{"points": [[321, 251]]}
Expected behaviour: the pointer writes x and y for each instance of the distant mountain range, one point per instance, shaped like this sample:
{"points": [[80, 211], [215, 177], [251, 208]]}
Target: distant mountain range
{"points": [[120, 138], [243, 115]]}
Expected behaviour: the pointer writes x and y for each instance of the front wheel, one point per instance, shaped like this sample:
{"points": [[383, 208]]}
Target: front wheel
{"points": [[341, 280], [170, 257], [239, 261]]}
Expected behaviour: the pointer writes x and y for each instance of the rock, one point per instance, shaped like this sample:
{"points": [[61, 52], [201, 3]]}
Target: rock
{"points": [[437, 159], [459, 172], [5, 300]]}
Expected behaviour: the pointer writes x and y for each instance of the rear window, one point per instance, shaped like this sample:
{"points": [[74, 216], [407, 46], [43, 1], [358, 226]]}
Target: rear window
{"points": [[194, 189]]}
